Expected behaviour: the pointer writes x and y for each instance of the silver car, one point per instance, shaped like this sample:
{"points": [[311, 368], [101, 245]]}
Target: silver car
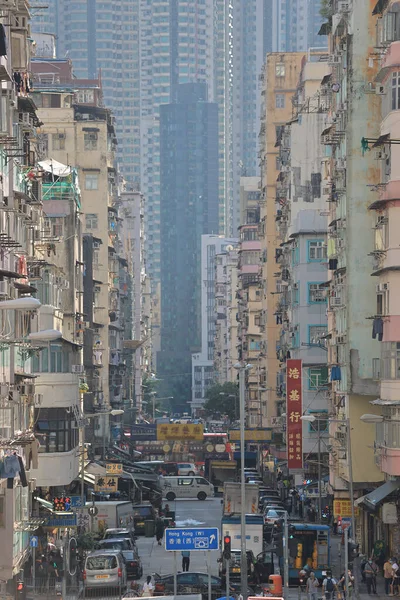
{"points": [[105, 568]]}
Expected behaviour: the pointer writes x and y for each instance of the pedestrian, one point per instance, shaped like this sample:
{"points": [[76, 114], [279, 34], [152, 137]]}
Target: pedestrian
{"points": [[185, 560], [371, 571], [148, 587], [387, 575], [159, 530], [42, 573], [394, 588], [329, 586], [335, 526], [342, 585], [312, 586]]}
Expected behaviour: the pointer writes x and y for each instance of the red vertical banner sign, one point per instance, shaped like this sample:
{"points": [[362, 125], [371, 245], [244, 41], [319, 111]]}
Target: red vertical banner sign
{"points": [[294, 410]]}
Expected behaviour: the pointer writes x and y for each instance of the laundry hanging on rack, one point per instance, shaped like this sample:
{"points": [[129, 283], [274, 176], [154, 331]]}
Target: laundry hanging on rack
{"points": [[3, 41], [377, 329]]}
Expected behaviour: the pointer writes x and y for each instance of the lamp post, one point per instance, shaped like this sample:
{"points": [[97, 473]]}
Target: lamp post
{"points": [[153, 395], [346, 422], [242, 368]]}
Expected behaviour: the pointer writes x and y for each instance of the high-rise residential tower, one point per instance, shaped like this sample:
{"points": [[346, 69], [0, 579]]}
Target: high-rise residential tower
{"points": [[189, 208], [295, 25], [143, 49]]}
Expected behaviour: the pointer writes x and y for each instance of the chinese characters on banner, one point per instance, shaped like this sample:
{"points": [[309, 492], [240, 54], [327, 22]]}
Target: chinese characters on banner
{"points": [[294, 410]]}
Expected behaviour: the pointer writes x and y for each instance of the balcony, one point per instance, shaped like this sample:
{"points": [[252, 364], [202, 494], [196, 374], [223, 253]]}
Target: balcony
{"points": [[58, 390], [56, 468]]}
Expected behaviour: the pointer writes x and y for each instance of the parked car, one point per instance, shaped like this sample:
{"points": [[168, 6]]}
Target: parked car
{"points": [[119, 532], [116, 544], [188, 583], [272, 515], [187, 469], [134, 568], [104, 569], [142, 513]]}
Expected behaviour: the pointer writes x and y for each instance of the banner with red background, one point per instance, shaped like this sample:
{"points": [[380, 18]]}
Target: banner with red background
{"points": [[294, 410]]}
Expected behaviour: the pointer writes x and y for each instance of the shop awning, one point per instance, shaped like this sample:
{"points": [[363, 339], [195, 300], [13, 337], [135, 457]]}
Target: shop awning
{"points": [[44, 503], [373, 499]]}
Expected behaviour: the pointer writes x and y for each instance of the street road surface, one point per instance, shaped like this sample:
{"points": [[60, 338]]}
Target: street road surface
{"points": [[189, 513]]}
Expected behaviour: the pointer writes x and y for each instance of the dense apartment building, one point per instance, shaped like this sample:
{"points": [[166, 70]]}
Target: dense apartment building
{"points": [[21, 220], [189, 208], [226, 305], [301, 258], [212, 308], [80, 131], [280, 79]]}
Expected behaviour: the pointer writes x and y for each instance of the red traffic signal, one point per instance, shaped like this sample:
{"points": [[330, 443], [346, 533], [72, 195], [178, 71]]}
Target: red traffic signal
{"points": [[227, 547]]}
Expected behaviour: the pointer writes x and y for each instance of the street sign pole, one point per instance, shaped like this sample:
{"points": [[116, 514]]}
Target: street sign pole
{"points": [[286, 557], [209, 575], [227, 579], [34, 569], [346, 559], [175, 577]]}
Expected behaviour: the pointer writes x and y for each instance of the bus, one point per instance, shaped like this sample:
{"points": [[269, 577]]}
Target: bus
{"points": [[309, 544]]}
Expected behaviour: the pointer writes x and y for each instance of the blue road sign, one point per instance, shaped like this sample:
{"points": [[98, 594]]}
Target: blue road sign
{"points": [[196, 538], [76, 502], [34, 541]]}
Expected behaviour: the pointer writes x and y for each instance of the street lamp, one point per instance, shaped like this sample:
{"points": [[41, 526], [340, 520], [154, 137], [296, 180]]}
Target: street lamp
{"points": [[370, 418], [242, 368], [346, 422], [154, 394]]}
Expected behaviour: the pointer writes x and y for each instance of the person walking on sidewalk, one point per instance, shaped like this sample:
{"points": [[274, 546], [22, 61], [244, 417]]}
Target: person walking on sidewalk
{"points": [[148, 587], [329, 586], [371, 571], [159, 530], [312, 586], [185, 560], [387, 575], [394, 587], [342, 585]]}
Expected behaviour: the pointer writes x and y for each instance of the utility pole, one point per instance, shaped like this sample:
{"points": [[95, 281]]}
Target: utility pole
{"points": [[243, 553], [319, 472], [346, 560]]}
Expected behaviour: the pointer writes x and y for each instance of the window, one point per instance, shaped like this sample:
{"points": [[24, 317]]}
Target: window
{"points": [[255, 345], [91, 181], [316, 250], [296, 294], [295, 255], [396, 90], [59, 360], [315, 333], [280, 70], [295, 338], [316, 294], [391, 360], [92, 221], [320, 424], [317, 378], [58, 141], [55, 429], [51, 100], [185, 481], [280, 100], [90, 140]]}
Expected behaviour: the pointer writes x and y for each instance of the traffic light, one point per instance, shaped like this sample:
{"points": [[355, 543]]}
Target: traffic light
{"points": [[72, 556], [227, 547], [292, 531], [21, 590], [352, 550]]}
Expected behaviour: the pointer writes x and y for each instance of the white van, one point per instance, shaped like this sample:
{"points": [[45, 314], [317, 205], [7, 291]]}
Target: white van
{"points": [[186, 487]]}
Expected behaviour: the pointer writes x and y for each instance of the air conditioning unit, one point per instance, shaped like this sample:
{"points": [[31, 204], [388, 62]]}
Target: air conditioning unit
{"points": [[343, 7], [24, 117], [380, 90], [96, 245], [38, 399], [27, 389], [334, 59], [78, 369], [4, 389], [379, 288], [4, 288], [340, 339]]}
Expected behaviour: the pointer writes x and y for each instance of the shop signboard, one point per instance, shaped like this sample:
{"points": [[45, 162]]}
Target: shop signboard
{"points": [[294, 424], [180, 431]]}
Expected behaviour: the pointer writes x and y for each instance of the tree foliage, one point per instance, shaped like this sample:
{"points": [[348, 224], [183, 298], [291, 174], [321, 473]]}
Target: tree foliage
{"points": [[223, 399], [326, 9]]}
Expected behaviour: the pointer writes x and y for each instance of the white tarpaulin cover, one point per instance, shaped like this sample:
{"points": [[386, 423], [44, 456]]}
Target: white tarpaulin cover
{"points": [[56, 168]]}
